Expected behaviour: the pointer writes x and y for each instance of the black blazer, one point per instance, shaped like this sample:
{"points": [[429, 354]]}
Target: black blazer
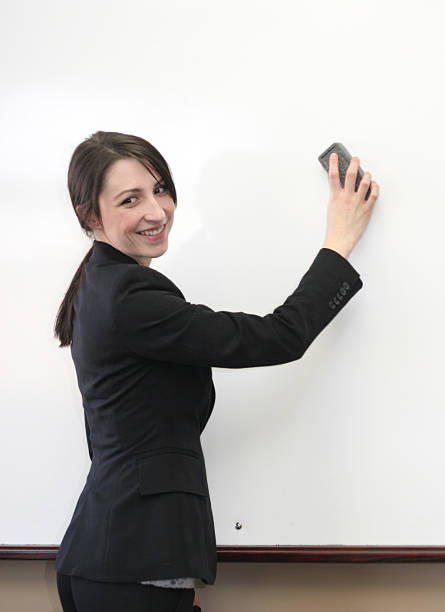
{"points": [[143, 357]]}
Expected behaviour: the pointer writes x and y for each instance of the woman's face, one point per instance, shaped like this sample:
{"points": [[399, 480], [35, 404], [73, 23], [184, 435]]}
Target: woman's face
{"points": [[146, 205]]}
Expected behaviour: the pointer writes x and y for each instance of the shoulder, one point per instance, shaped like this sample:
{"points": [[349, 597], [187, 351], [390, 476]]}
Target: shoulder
{"points": [[132, 277]]}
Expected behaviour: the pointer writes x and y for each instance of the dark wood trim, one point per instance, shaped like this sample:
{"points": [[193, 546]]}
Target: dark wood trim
{"points": [[332, 554], [282, 554], [28, 552]]}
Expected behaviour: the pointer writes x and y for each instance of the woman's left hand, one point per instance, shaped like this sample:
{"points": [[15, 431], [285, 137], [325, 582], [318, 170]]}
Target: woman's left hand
{"points": [[196, 600]]}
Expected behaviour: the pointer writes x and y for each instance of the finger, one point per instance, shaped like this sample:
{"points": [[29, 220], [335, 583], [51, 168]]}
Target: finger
{"points": [[364, 185], [334, 177], [351, 175], [375, 190], [196, 600]]}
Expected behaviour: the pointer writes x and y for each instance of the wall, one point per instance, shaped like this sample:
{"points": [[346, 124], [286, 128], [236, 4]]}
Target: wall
{"points": [[27, 586]]}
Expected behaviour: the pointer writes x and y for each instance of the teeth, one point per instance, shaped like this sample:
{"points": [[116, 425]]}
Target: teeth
{"points": [[152, 233]]}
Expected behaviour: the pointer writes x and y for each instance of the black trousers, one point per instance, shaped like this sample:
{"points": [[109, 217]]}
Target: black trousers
{"points": [[82, 595]]}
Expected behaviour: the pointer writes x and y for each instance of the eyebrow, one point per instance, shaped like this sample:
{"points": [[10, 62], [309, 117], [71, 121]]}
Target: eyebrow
{"points": [[135, 189]]}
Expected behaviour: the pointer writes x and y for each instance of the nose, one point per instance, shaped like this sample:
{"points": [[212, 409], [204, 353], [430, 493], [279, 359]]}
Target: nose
{"points": [[154, 213]]}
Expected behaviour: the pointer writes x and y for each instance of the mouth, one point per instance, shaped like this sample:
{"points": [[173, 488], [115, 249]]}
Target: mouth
{"points": [[155, 237]]}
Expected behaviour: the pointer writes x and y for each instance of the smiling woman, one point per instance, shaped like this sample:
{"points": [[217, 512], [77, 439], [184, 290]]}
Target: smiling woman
{"points": [[104, 168], [143, 356]]}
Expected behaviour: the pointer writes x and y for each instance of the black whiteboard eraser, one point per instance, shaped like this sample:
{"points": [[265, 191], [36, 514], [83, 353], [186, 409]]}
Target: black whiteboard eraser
{"points": [[344, 159]]}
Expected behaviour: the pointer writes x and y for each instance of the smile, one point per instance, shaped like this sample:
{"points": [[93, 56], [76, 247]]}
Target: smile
{"points": [[155, 235]]}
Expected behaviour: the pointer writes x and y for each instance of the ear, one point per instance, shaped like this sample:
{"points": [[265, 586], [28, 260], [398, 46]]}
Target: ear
{"points": [[93, 222]]}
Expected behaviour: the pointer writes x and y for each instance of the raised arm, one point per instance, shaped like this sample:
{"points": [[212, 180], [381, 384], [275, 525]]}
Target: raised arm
{"points": [[152, 321]]}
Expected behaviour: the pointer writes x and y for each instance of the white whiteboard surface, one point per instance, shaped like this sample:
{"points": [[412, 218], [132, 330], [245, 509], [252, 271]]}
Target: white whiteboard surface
{"points": [[342, 447]]}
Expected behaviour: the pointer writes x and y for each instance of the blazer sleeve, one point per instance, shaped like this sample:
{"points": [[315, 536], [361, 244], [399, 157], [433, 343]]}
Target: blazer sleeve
{"points": [[154, 321]]}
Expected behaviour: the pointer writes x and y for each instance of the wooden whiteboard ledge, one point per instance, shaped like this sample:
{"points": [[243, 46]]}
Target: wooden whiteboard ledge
{"points": [[282, 554]]}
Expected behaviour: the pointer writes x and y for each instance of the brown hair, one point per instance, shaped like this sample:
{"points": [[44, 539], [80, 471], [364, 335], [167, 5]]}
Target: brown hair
{"points": [[86, 173]]}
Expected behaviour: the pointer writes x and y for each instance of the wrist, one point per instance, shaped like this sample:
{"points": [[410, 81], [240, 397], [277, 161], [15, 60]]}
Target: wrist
{"points": [[341, 249]]}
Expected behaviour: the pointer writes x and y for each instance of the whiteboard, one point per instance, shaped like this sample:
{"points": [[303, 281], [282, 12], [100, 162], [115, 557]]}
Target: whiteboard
{"points": [[342, 447]]}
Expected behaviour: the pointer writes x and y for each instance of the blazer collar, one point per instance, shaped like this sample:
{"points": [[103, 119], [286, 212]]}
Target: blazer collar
{"points": [[104, 253]]}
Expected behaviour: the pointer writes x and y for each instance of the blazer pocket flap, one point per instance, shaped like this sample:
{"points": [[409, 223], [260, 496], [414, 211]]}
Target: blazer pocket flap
{"points": [[171, 471]]}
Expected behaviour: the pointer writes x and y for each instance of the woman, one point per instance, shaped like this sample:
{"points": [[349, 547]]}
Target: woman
{"points": [[142, 535]]}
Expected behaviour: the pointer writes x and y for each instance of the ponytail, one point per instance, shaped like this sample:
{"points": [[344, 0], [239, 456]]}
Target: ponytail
{"points": [[63, 328]]}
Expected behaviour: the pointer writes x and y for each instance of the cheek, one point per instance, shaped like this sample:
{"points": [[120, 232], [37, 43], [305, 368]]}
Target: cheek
{"points": [[171, 207], [129, 221]]}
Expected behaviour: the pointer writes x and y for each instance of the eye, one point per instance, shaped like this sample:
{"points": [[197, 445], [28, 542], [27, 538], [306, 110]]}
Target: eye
{"points": [[127, 199], [163, 186]]}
